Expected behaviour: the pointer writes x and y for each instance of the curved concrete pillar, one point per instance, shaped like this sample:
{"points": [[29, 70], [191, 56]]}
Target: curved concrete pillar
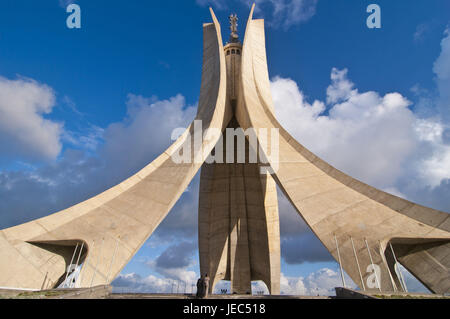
{"points": [[115, 224], [337, 207], [239, 236]]}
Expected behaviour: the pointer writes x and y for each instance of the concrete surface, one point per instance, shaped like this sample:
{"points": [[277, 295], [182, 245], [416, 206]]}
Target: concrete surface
{"points": [[115, 224], [346, 293], [99, 292], [239, 232], [338, 207]]}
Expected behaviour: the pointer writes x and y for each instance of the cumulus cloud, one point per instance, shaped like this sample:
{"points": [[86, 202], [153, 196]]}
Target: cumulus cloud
{"points": [[441, 68], [142, 135], [175, 262], [442, 65], [403, 146], [434, 131], [178, 274], [321, 282], [341, 136], [341, 88], [176, 256], [435, 168], [24, 130], [287, 13], [137, 284], [408, 154], [123, 148]]}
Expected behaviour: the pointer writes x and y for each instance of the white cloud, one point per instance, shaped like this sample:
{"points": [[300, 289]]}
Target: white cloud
{"points": [[441, 68], [24, 130], [436, 168], [280, 13], [341, 88], [436, 128], [442, 65], [137, 284], [342, 136], [179, 274], [321, 282], [89, 139], [287, 13], [375, 138], [421, 31], [134, 142], [174, 263], [104, 157]]}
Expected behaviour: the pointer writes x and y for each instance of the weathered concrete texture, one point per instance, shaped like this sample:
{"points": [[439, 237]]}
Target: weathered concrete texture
{"points": [[99, 292], [239, 236], [338, 207], [113, 225]]}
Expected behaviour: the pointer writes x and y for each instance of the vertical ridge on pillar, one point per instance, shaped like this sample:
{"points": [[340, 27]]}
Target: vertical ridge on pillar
{"points": [[239, 224]]}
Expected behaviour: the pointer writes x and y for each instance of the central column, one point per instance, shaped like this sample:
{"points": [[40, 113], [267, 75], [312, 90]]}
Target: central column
{"points": [[238, 209], [239, 250]]}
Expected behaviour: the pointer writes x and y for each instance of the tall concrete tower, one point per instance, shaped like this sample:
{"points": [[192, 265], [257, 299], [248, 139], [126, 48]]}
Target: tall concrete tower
{"points": [[369, 232], [239, 236]]}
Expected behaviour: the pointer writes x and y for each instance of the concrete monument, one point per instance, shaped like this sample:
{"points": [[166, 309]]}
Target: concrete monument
{"points": [[364, 228]]}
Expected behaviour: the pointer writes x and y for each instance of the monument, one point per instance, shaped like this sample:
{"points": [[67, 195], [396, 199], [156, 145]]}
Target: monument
{"points": [[363, 228]]}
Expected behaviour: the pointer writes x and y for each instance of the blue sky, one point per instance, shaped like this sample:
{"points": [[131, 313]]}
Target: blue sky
{"points": [[132, 72]]}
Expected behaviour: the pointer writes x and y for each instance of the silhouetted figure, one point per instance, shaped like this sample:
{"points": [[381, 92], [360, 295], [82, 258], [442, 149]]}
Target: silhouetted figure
{"points": [[200, 287]]}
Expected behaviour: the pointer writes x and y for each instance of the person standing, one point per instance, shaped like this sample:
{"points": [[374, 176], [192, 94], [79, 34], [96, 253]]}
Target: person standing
{"points": [[200, 287], [206, 286]]}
